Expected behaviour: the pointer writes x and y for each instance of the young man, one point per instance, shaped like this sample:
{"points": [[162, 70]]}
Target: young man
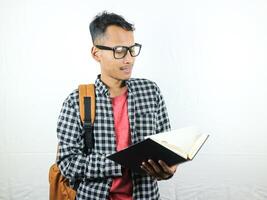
{"points": [[127, 110]]}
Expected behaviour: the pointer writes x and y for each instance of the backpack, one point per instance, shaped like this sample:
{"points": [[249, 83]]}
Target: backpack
{"points": [[59, 185]]}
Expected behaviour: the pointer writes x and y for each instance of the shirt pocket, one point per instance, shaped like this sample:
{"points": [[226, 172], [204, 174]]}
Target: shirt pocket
{"points": [[145, 122]]}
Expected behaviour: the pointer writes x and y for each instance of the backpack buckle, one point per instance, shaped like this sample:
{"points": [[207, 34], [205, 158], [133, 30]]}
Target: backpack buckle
{"points": [[87, 125]]}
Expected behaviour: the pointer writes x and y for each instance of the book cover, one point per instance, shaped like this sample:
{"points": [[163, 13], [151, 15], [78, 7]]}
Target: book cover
{"points": [[172, 147]]}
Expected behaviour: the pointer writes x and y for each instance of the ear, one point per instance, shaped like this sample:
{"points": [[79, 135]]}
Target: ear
{"points": [[96, 54]]}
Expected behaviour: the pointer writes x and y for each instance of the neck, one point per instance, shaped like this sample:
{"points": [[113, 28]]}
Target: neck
{"points": [[116, 87]]}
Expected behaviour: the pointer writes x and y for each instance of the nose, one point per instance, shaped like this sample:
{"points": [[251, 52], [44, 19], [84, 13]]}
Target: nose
{"points": [[128, 59]]}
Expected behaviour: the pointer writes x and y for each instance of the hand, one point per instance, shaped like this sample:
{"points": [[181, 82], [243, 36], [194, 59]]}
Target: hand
{"points": [[160, 170]]}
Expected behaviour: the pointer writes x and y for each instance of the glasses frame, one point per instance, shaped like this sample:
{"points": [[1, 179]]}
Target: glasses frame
{"points": [[114, 49]]}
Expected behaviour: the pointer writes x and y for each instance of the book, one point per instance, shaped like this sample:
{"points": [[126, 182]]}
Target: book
{"points": [[172, 147]]}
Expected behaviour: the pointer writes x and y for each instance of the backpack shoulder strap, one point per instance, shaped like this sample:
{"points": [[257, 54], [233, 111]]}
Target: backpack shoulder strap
{"points": [[87, 90], [87, 114]]}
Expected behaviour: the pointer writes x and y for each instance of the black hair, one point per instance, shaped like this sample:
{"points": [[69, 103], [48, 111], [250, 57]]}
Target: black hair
{"points": [[104, 19]]}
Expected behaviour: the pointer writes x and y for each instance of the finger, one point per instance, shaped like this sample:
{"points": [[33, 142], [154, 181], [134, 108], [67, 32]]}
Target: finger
{"points": [[165, 167], [143, 168], [160, 174], [148, 168], [156, 168], [150, 174], [170, 170]]}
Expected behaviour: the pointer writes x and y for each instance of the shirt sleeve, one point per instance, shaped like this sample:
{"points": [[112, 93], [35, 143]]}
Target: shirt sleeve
{"points": [[72, 162], [162, 120]]}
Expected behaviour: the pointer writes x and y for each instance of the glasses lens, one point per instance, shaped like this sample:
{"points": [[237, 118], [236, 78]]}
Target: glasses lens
{"points": [[120, 52], [135, 50]]}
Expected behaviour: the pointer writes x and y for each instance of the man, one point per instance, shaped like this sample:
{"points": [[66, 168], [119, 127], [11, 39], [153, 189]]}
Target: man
{"points": [[127, 110]]}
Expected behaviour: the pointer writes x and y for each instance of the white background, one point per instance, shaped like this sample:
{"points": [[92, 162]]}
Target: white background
{"points": [[208, 57]]}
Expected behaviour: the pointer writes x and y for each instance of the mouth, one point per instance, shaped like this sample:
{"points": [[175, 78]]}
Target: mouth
{"points": [[126, 69]]}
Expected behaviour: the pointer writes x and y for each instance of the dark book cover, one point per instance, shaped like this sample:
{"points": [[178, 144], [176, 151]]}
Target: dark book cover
{"points": [[133, 156]]}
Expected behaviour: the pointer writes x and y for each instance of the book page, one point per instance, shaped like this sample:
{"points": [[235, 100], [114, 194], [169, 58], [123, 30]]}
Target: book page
{"points": [[173, 148], [196, 146], [184, 140]]}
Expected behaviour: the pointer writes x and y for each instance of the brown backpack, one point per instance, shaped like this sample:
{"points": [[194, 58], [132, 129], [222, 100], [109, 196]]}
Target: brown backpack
{"points": [[59, 185]]}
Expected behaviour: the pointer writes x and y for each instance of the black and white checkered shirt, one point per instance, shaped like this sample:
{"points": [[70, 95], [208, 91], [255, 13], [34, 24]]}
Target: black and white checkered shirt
{"points": [[147, 115]]}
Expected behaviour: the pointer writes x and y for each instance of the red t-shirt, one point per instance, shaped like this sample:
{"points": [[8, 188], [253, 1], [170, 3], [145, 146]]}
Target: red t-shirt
{"points": [[122, 187]]}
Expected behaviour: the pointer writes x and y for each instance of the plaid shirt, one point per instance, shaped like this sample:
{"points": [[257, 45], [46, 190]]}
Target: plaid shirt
{"points": [[147, 115]]}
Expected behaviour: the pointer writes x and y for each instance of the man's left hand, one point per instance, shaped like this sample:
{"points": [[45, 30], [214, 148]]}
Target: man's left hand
{"points": [[160, 170]]}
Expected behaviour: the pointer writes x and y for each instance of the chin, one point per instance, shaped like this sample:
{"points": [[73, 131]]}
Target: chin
{"points": [[126, 78]]}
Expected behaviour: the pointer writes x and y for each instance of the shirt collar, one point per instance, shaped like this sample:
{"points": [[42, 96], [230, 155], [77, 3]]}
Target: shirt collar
{"points": [[102, 88]]}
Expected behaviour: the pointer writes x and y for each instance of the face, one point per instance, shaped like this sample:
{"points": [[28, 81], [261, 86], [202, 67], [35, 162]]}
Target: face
{"points": [[111, 68]]}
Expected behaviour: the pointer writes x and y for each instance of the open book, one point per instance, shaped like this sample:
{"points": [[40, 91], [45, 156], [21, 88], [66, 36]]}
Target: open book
{"points": [[172, 147]]}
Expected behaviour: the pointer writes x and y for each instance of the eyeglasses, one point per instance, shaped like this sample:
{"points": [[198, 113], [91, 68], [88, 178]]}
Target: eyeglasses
{"points": [[120, 52]]}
